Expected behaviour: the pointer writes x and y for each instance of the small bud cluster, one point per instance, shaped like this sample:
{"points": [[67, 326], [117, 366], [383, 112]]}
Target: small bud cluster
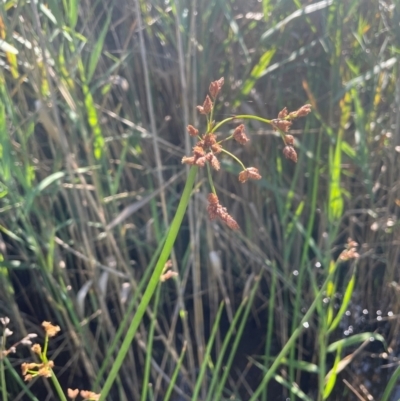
{"points": [[207, 148], [85, 394], [283, 124], [7, 333], [350, 251], [215, 210]]}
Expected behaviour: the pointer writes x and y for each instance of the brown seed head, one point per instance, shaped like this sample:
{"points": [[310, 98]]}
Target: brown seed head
{"points": [[201, 161], [50, 329], [89, 395], [72, 393], [216, 148], [213, 161], [212, 199], [283, 113], [215, 87], [290, 153], [189, 160], [198, 151], [192, 131], [250, 173], [207, 106], [282, 125], [37, 349], [209, 140], [303, 110], [289, 140], [239, 135]]}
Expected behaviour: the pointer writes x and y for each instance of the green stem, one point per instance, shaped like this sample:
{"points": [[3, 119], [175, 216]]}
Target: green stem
{"points": [[2, 373], [234, 157], [154, 280], [243, 117]]}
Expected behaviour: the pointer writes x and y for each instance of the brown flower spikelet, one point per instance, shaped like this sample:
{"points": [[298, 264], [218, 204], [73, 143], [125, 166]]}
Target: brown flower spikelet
{"points": [[282, 125], [290, 153], [191, 160], [213, 161], [283, 113], [50, 329], [72, 393], [207, 106], [250, 173], [209, 140], [239, 135], [289, 140], [216, 148], [215, 210], [201, 161], [301, 112], [198, 151], [192, 130], [215, 87]]}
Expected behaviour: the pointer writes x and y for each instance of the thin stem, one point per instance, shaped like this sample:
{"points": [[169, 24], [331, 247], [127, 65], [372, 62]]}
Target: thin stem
{"points": [[234, 157], [210, 180]]}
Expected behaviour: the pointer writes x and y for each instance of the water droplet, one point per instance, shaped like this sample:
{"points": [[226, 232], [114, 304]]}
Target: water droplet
{"points": [[390, 313], [378, 312], [325, 300], [295, 272], [371, 339], [379, 318], [346, 332], [348, 313], [306, 325], [365, 311], [318, 265]]}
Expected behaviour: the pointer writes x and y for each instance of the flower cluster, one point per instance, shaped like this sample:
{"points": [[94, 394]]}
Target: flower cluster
{"points": [[215, 210], [283, 124], [85, 394], [207, 148], [350, 251], [7, 333]]}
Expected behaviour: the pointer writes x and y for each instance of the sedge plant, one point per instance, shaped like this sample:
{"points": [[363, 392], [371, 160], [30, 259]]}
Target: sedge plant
{"points": [[205, 154]]}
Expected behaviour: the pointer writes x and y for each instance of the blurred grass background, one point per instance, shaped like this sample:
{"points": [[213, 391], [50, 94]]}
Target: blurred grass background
{"points": [[95, 98]]}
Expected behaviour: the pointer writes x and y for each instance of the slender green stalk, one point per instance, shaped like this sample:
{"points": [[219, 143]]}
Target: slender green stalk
{"points": [[154, 280], [149, 350], [175, 374], [2, 373]]}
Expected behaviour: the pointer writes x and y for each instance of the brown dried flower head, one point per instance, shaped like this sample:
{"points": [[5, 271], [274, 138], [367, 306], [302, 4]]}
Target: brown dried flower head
{"points": [[192, 130], [301, 112], [289, 140], [215, 87], [282, 125], [167, 275], [250, 173], [290, 153], [282, 114], [239, 135], [188, 160], [215, 210], [207, 106], [72, 393], [50, 329], [209, 140], [350, 252], [37, 349], [213, 161], [89, 395]]}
